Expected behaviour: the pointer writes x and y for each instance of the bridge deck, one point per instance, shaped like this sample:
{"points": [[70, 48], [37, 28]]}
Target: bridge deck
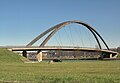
{"points": [[62, 49]]}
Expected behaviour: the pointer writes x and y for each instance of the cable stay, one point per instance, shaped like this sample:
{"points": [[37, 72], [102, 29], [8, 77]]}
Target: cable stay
{"points": [[68, 37], [89, 39], [71, 31], [71, 36], [90, 42], [58, 39], [78, 37], [58, 42], [80, 34]]}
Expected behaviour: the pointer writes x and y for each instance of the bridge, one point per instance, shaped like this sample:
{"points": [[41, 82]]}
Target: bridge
{"points": [[105, 53]]}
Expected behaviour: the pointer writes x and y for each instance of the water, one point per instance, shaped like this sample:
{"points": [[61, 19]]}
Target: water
{"points": [[70, 60]]}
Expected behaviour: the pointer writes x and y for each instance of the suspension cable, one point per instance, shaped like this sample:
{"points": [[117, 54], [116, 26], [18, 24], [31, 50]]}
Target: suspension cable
{"points": [[58, 41], [80, 34], [88, 35], [68, 35], [71, 36]]}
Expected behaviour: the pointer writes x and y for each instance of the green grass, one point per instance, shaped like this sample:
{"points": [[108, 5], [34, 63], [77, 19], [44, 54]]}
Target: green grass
{"points": [[65, 72], [118, 56], [9, 57], [83, 71]]}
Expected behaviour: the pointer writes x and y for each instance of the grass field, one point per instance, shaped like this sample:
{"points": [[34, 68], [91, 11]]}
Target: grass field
{"points": [[14, 70]]}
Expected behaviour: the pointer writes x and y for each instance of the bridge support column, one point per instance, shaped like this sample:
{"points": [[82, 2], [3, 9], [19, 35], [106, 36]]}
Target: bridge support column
{"points": [[39, 56], [113, 55], [25, 54]]}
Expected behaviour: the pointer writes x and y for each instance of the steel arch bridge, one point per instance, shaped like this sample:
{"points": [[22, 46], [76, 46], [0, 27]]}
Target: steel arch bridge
{"points": [[55, 29]]}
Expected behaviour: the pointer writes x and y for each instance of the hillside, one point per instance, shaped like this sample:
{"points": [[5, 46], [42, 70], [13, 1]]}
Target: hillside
{"points": [[9, 57]]}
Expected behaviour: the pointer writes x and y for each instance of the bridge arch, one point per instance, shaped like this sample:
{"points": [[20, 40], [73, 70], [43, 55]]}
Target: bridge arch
{"points": [[57, 27]]}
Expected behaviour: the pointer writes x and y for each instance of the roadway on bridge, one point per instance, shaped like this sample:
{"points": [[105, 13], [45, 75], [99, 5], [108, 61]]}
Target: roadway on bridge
{"points": [[61, 49]]}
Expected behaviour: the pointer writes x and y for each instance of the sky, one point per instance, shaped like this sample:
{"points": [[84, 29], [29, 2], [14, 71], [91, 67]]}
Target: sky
{"points": [[23, 20]]}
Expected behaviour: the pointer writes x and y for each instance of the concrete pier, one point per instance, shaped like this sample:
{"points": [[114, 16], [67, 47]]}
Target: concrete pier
{"points": [[39, 56]]}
